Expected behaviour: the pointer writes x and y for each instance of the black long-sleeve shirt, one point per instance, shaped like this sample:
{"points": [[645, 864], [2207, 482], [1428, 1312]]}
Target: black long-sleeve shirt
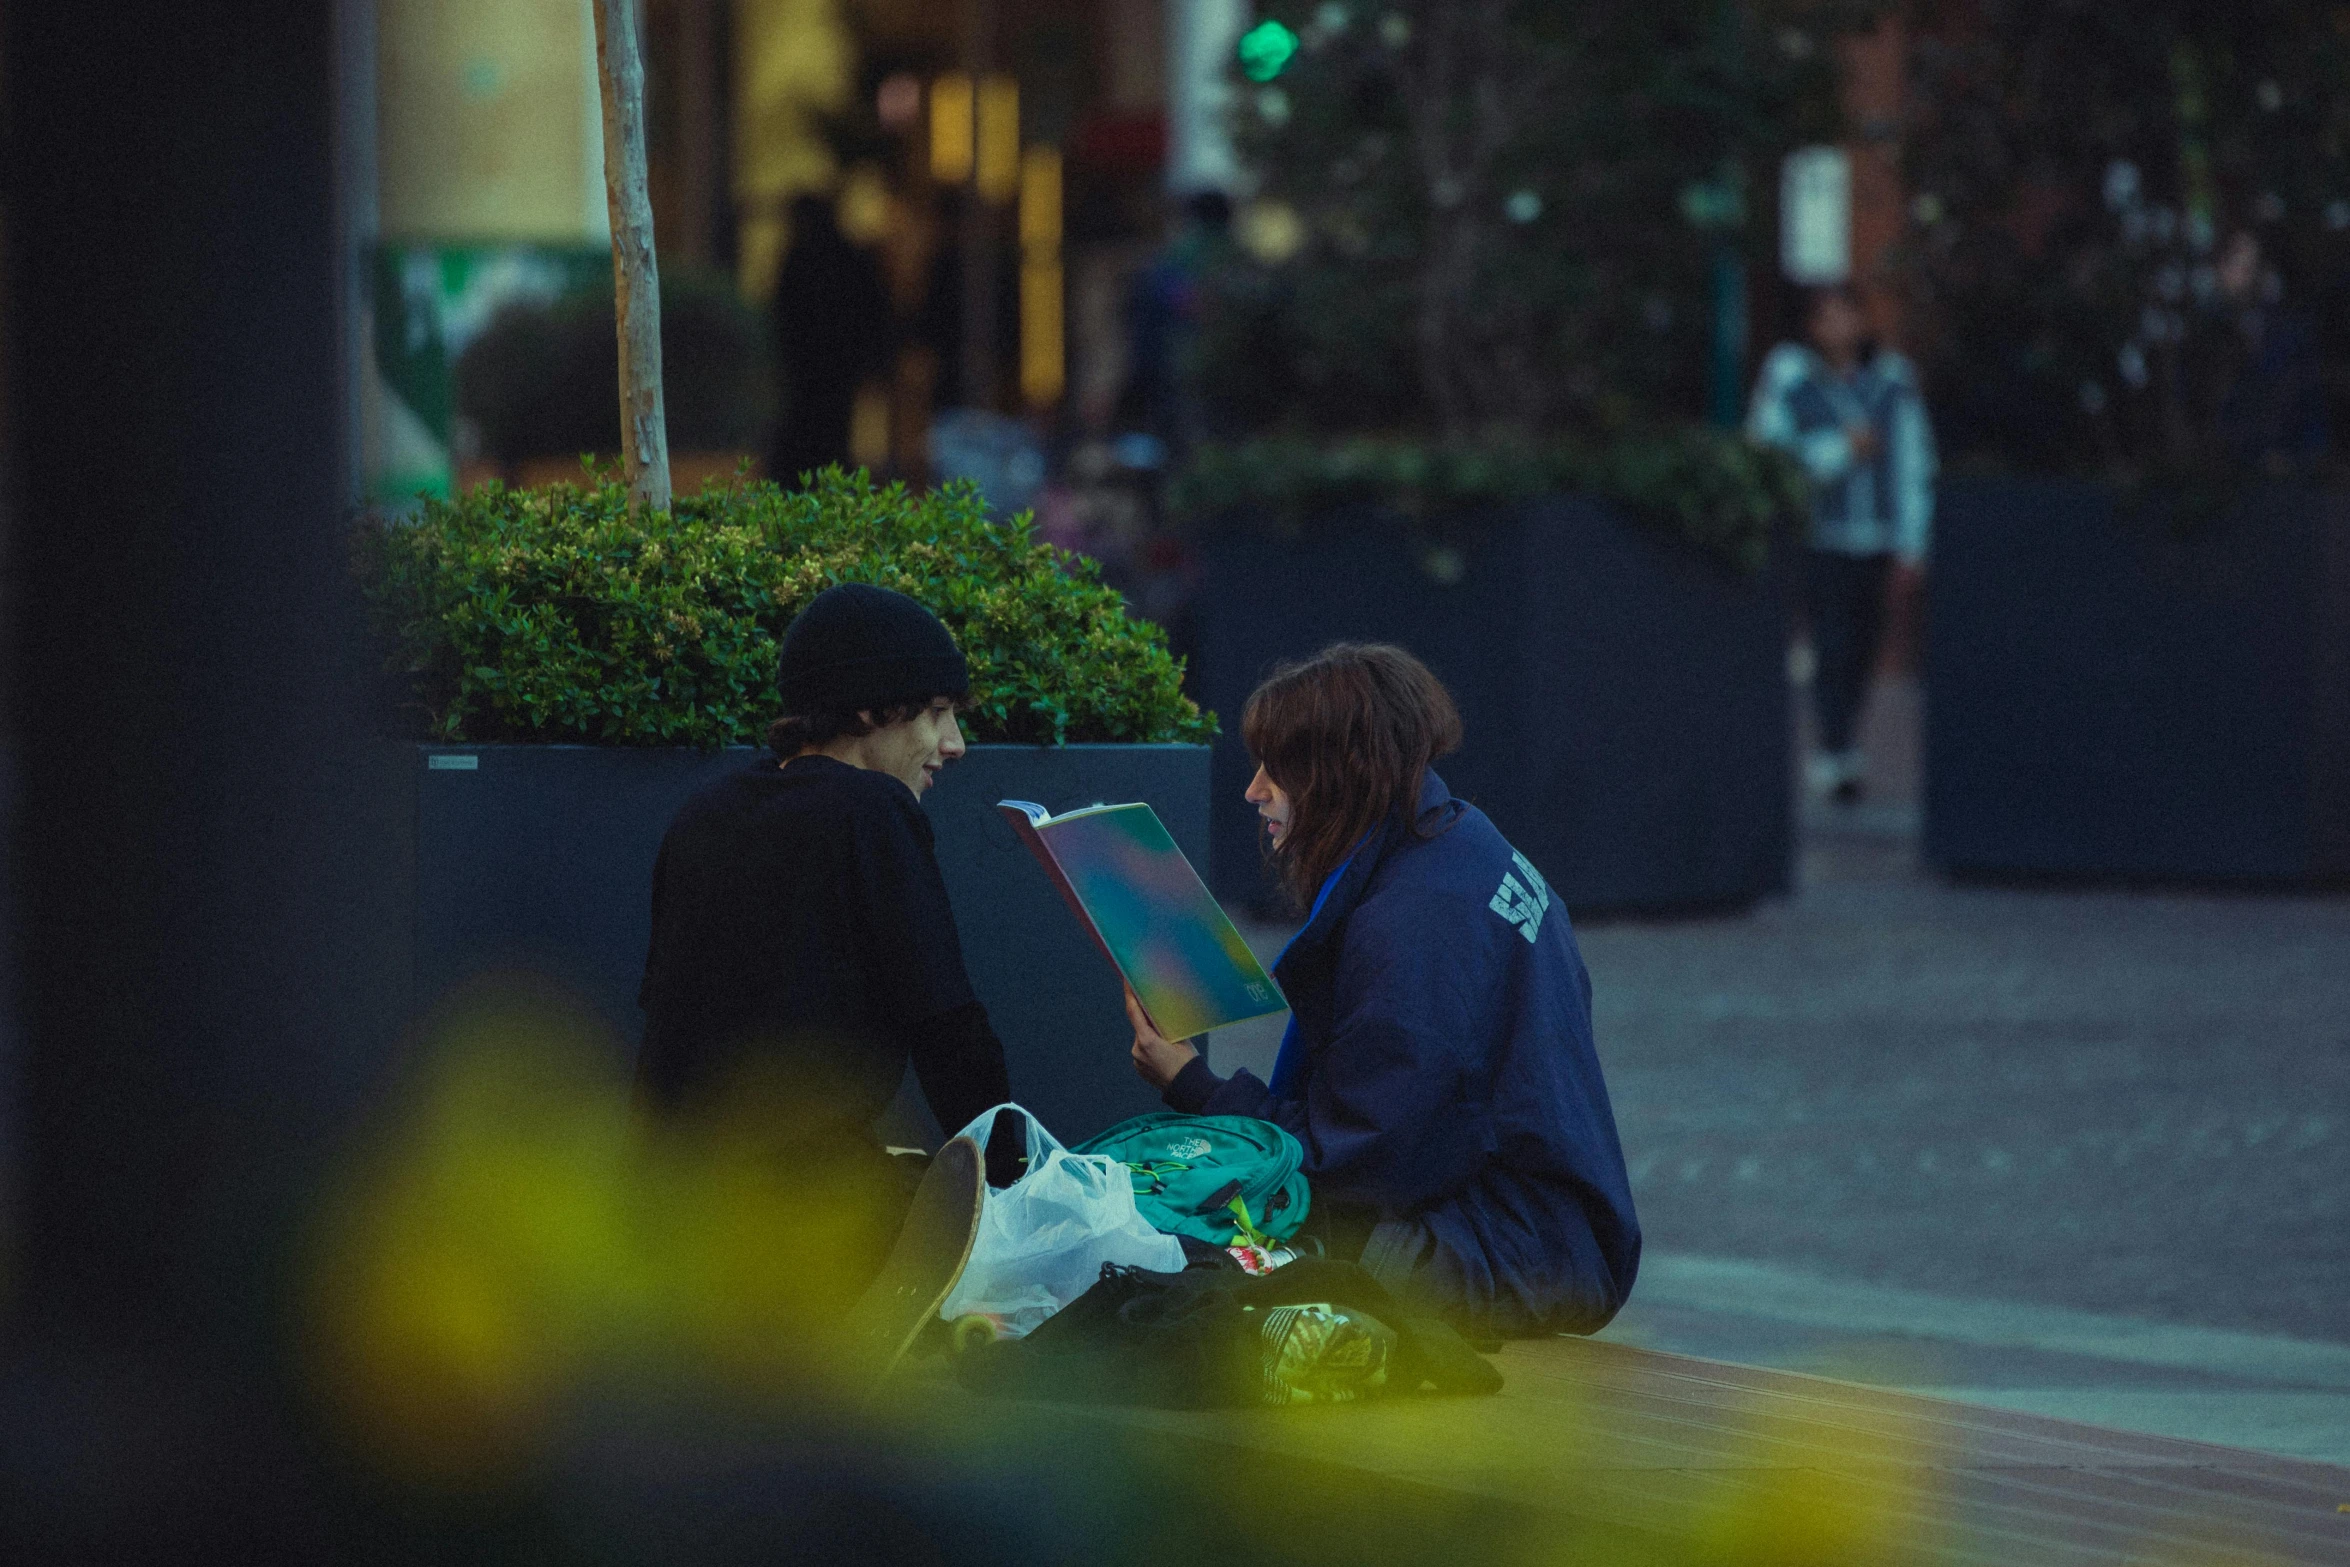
{"points": [[802, 937]]}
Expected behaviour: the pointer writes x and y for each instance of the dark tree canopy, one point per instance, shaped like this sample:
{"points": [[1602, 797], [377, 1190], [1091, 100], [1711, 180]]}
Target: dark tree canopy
{"points": [[2083, 173], [1476, 215]]}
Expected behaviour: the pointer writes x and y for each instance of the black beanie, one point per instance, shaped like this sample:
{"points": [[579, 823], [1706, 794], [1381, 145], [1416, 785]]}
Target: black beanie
{"points": [[857, 646]]}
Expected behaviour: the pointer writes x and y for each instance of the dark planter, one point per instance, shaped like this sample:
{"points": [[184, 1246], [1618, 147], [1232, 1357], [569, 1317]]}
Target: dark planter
{"points": [[2107, 698], [540, 859], [1625, 696]]}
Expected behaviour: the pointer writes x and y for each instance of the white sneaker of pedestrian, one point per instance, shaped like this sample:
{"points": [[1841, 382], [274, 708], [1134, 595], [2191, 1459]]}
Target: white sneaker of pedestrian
{"points": [[1824, 770]]}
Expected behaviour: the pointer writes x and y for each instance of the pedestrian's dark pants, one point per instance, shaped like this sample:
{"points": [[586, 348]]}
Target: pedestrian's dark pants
{"points": [[1846, 599]]}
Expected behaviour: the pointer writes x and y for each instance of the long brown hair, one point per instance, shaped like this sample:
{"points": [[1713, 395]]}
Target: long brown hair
{"points": [[1347, 735]]}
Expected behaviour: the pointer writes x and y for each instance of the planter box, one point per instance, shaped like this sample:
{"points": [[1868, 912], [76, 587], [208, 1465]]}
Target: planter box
{"points": [[2105, 699], [1625, 696], [540, 859]]}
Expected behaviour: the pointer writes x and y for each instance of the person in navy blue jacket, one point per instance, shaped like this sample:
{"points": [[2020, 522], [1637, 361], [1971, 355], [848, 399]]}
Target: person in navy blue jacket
{"points": [[1439, 1067]]}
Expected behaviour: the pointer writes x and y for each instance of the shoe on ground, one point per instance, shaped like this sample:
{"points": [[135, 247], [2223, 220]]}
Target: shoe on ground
{"points": [[932, 1247]]}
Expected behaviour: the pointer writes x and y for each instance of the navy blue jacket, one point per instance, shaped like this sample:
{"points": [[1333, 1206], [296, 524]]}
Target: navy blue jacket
{"points": [[1449, 1074]]}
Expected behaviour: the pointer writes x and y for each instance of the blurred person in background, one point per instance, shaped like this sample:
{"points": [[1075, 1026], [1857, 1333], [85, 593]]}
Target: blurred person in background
{"points": [[1162, 325], [938, 325], [1849, 410], [834, 330], [2272, 412], [1439, 1067]]}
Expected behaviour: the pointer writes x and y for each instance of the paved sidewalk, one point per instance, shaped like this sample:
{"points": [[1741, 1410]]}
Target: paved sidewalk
{"points": [[2108, 1107], [2084, 1153], [1597, 1452]]}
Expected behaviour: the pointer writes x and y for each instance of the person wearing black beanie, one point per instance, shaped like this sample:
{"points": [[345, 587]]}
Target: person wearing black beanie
{"points": [[801, 931], [859, 646]]}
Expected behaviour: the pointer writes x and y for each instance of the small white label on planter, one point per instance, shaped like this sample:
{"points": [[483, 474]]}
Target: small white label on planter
{"points": [[451, 762]]}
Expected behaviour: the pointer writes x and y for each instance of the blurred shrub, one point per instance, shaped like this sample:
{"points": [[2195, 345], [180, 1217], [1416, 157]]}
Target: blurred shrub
{"points": [[539, 381], [562, 615], [1707, 486], [2080, 176]]}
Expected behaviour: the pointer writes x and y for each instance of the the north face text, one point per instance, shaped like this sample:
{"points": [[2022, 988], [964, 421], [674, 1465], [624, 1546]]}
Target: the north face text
{"points": [[1522, 903]]}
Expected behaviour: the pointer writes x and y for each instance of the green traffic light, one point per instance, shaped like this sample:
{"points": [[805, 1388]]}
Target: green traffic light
{"points": [[1265, 49]]}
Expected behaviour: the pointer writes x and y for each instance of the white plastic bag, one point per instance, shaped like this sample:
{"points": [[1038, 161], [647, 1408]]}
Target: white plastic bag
{"points": [[1042, 1240]]}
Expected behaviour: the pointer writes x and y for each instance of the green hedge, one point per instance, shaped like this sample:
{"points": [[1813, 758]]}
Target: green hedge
{"points": [[1714, 489], [559, 615]]}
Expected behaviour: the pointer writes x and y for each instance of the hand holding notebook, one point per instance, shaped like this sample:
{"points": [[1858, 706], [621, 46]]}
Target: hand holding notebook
{"points": [[1149, 912]]}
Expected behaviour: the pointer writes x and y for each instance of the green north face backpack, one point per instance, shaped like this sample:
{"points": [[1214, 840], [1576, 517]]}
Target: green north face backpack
{"points": [[1223, 1179]]}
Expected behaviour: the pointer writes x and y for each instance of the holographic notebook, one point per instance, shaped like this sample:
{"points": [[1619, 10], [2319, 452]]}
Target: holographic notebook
{"points": [[1150, 914]]}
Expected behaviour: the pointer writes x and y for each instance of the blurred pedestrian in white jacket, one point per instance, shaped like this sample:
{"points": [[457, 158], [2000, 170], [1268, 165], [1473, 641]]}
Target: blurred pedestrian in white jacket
{"points": [[1850, 412]]}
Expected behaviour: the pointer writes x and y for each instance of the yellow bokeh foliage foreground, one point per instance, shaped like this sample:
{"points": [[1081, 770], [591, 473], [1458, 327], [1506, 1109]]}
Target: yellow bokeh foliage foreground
{"points": [[510, 1247], [510, 1239]]}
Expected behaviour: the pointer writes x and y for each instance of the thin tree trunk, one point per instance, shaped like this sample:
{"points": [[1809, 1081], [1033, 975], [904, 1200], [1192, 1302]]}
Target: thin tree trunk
{"points": [[1468, 88], [636, 279], [1431, 75]]}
